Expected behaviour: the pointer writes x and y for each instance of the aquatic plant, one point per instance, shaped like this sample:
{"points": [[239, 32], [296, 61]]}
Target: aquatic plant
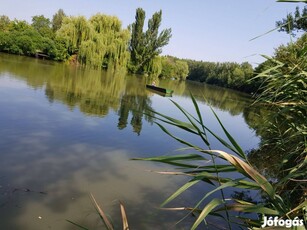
{"points": [[216, 173]]}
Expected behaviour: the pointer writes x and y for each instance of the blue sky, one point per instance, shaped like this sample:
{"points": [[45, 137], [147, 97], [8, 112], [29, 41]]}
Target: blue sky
{"points": [[207, 30]]}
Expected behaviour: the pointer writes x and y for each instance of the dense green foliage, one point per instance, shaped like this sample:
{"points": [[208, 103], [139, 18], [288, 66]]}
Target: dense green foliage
{"points": [[42, 26], [57, 20], [294, 22], [146, 45], [291, 53], [20, 38], [4, 22], [284, 132], [228, 74], [174, 68], [97, 42], [100, 42]]}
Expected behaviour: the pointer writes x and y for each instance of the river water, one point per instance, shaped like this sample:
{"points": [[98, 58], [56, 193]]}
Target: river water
{"points": [[67, 132]]}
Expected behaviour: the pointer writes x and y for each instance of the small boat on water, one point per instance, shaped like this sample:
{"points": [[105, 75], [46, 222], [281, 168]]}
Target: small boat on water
{"points": [[160, 90]]}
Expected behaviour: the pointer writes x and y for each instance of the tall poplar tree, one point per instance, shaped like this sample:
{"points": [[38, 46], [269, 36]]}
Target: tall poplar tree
{"points": [[137, 40], [57, 20], [146, 45]]}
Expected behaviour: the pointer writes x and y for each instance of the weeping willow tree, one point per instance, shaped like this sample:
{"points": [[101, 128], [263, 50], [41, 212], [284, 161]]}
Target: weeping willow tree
{"points": [[74, 31], [154, 67], [97, 42]]}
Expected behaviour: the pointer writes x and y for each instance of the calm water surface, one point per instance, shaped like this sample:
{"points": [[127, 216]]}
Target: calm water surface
{"points": [[67, 132]]}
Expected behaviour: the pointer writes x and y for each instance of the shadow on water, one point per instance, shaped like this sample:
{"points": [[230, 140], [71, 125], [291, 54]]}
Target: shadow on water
{"points": [[66, 133]]}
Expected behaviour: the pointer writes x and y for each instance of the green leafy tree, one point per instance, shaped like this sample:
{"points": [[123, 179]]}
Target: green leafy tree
{"points": [[288, 53], [167, 68], [145, 46], [57, 20], [228, 74], [109, 45], [294, 22], [42, 25], [18, 25], [182, 69], [73, 31], [23, 39], [137, 43], [4, 23], [174, 68], [154, 67], [284, 131], [97, 42]]}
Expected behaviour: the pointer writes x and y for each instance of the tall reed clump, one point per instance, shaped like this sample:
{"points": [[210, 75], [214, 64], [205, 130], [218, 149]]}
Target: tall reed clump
{"points": [[284, 91], [195, 167]]}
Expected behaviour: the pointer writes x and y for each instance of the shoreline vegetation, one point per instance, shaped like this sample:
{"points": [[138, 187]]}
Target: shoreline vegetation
{"points": [[279, 83], [100, 42]]}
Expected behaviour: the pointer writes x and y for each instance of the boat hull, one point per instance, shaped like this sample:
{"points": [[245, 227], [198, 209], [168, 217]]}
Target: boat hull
{"points": [[159, 89]]}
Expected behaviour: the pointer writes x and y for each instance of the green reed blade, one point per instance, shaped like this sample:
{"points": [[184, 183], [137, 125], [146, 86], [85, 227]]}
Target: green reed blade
{"points": [[252, 208], [201, 134], [175, 160], [206, 210], [180, 190], [230, 138]]}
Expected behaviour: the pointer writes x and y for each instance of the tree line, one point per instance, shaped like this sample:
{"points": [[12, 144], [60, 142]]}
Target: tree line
{"points": [[98, 42], [101, 42], [226, 74]]}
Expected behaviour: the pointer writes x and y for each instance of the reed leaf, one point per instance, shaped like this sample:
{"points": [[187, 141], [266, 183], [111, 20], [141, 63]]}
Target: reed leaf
{"points": [[223, 186], [193, 165], [124, 216], [105, 219], [206, 210], [299, 207], [177, 138], [247, 170], [193, 128], [175, 122], [201, 134], [175, 160], [167, 159], [181, 190], [249, 221], [230, 138], [200, 119], [251, 208], [213, 169], [210, 178], [78, 225]]}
